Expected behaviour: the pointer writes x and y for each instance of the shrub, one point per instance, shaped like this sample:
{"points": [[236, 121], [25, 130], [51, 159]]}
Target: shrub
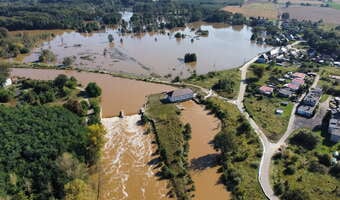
{"points": [[93, 90], [305, 139], [190, 57], [5, 96], [315, 166]]}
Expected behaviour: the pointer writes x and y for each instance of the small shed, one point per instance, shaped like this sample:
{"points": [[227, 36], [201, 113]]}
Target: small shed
{"points": [[279, 111]]}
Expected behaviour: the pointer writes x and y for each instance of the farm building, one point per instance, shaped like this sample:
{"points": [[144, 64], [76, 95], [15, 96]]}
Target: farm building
{"points": [[308, 105], [306, 111], [180, 95], [266, 90]]}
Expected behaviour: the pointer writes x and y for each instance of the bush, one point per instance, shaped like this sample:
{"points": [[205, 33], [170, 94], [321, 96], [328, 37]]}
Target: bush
{"points": [[75, 107], [305, 139], [5, 95], [93, 90], [315, 166], [295, 195], [335, 170], [190, 57], [47, 56]]}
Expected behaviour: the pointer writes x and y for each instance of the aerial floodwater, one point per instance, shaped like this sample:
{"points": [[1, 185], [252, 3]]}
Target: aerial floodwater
{"points": [[153, 53], [202, 156], [118, 93]]}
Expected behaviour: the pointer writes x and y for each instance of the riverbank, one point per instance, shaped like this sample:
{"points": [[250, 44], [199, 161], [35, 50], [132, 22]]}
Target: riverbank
{"points": [[172, 139]]}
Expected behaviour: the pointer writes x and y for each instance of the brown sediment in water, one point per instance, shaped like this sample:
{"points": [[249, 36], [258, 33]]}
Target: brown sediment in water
{"points": [[117, 93], [225, 47], [128, 164], [202, 156]]}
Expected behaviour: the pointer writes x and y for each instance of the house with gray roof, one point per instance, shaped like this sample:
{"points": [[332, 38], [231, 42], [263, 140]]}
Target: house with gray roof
{"points": [[180, 95]]}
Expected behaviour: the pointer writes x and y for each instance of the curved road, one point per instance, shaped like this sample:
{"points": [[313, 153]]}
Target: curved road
{"points": [[269, 148]]}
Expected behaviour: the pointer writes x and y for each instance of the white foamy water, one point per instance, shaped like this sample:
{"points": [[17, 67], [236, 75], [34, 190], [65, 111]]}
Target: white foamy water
{"points": [[125, 172]]}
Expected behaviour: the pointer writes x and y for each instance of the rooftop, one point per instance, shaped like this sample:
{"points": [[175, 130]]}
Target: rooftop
{"points": [[299, 75], [181, 92]]}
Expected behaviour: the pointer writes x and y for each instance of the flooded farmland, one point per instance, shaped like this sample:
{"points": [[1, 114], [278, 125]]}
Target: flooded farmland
{"points": [[202, 156], [117, 93], [155, 54]]}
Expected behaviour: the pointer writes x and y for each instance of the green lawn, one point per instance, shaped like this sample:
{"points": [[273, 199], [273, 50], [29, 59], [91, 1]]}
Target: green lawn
{"points": [[315, 185], [243, 162], [263, 112], [210, 79], [330, 85], [169, 134]]}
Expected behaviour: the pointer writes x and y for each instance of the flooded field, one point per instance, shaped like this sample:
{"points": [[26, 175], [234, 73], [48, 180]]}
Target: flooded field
{"points": [[225, 47], [202, 156], [127, 171], [117, 93]]}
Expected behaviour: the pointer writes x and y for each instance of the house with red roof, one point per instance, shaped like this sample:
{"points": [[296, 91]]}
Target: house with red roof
{"points": [[293, 87], [266, 90], [298, 81], [299, 75]]}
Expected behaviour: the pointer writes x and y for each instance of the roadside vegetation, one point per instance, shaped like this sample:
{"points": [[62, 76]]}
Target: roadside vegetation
{"points": [[304, 170], [330, 80], [240, 151], [226, 83], [172, 139], [50, 142]]}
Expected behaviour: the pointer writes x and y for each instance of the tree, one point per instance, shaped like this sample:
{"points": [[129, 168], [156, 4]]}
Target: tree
{"points": [[68, 61], [47, 56], [71, 166], [110, 38], [5, 95], [305, 139], [190, 57], [76, 107], [187, 131], [78, 190], [285, 16], [295, 195], [225, 142], [258, 71], [225, 85], [96, 142], [288, 3], [60, 80], [93, 90]]}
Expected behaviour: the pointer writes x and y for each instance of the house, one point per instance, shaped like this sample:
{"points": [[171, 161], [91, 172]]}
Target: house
{"points": [[298, 81], [293, 87], [262, 59], [180, 95], [299, 75], [334, 129], [306, 111], [285, 92], [309, 103], [266, 90], [313, 97], [7, 83]]}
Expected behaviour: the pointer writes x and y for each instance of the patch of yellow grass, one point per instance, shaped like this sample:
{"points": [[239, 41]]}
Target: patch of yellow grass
{"points": [[266, 10]]}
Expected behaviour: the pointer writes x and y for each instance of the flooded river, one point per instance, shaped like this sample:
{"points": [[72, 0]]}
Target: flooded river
{"points": [[117, 93], [127, 171], [202, 156], [154, 53]]}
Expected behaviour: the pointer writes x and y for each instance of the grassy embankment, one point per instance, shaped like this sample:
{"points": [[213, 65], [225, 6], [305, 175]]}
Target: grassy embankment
{"points": [[330, 85], [229, 82], [240, 151], [304, 169], [262, 108], [172, 146]]}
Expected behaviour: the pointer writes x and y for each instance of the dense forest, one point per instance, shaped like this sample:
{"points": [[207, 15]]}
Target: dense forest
{"points": [[49, 139]]}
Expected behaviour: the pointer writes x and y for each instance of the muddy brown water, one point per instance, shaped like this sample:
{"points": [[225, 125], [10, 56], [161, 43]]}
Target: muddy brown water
{"points": [[127, 170], [202, 156], [117, 93], [154, 53]]}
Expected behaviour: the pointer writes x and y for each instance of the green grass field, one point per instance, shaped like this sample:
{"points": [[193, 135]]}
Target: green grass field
{"points": [[334, 5], [210, 79]]}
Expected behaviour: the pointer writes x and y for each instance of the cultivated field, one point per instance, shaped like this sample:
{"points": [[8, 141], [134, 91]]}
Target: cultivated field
{"points": [[266, 10], [328, 15]]}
